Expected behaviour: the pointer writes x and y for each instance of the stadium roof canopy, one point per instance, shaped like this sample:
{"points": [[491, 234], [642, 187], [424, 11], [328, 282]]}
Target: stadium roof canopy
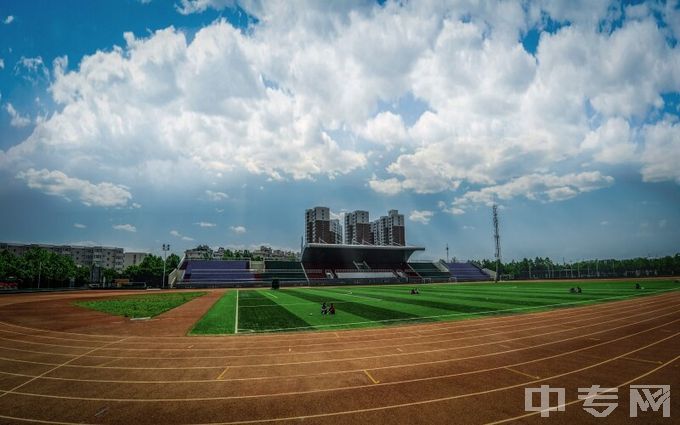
{"points": [[319, 253]]}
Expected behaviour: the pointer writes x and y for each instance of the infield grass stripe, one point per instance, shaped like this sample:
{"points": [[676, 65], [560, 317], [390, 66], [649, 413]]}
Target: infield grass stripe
{"points": [[271, 317], [146, 305], [363, 308], [219, 319]]}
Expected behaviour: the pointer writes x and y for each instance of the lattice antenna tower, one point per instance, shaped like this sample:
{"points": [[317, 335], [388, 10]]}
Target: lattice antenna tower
{"points": [[497, 240]]}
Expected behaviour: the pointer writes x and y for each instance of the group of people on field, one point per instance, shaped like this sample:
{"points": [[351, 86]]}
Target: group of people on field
{"points": [[327, 309]]}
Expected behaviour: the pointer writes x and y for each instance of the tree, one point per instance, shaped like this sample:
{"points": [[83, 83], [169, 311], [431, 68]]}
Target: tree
{"points": [[172, 262]]}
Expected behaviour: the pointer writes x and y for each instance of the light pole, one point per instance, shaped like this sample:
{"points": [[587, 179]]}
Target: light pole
{"points": [[166, 248]]}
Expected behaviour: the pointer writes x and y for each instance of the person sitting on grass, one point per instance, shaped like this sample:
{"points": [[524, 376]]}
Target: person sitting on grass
{"points": [[324, 309], [637, 286], [417, 293], [572, 290], [331, 309], [578, 289], [413, 291]]}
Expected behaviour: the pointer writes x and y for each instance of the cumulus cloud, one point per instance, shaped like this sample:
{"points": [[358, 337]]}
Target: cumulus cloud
{"points": [[177, 234], [661, 156], [539, 187], [304, 93], [59, 184], [239, 230], [8, 20], [16, 119], [422, 217], [125, 227], [2, 63], [205, 224], [216, 196]]}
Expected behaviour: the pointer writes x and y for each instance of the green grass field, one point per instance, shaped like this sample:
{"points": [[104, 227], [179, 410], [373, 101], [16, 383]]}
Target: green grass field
{"points": [[147, 305], [299, 309]]}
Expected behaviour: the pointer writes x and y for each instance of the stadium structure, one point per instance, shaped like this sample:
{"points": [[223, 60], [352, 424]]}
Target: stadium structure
{"points": [[385, 260]]}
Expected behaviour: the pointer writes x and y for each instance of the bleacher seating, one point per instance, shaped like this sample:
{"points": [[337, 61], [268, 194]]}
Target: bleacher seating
{"points": [[216, 271], [283, 270], [466, 272], [428, 270]]}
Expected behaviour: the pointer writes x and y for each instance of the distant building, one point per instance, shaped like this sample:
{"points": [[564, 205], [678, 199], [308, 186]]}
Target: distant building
{"points": [[133, 258], [358, 228], [100, 256], [318, 226], [268, 253], [336, 231], [202, 252], [389, 230]]}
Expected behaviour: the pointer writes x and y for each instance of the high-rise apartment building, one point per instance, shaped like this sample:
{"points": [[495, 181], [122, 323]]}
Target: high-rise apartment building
{"points": [[336, 231], [318, 225], [358, 228], [389, 229]]}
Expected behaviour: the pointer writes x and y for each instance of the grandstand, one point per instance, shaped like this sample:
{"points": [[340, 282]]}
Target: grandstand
{"points": [[466, 272], [326, 264]]}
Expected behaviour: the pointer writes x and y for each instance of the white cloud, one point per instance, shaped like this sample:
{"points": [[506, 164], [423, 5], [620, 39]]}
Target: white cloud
{"points": [[540, 187], [661, 155], [79, 226], [239, 230], [8, 20], [611, 142], [205, 224], [385, 128], [16, 119], [125, 227], [303, 95], [32, 69], [216, 196], [2, 63], [389, 186], [57, 183], [176, 234], [604, 223], [466, 227], [187, 7], [422, 217]]}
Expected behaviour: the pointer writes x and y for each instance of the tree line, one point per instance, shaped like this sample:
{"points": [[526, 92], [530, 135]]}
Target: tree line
{"points": [[40, 268], [545, 268]]}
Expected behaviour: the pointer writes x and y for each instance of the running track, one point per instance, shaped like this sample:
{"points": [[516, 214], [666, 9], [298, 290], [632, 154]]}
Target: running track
{"points": [[59, 364]]}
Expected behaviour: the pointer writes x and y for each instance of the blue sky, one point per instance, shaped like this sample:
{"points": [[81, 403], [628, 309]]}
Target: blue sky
{"points": [[133, 123]]}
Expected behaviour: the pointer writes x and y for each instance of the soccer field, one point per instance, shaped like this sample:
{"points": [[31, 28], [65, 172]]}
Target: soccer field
{"points": [[299, 309]]}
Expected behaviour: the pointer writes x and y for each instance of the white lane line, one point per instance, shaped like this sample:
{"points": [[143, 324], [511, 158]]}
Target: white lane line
{"points": [[236, 314]]}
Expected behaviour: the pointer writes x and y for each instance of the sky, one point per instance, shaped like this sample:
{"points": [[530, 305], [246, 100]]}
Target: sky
{"points": [[136, 123]]}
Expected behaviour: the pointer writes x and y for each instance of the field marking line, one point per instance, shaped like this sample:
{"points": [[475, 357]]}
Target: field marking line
{"points": [[107, 362], [521, 373], [590, 396], [5, 392], [269, 295], [371, 377], [236, 314], [626, 315], [643, 360], [400, 350], [219, 378], [366, 386]]}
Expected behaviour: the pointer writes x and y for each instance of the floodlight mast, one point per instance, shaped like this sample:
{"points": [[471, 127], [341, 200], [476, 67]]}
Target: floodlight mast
{"points": [[166, 248], [497, 240]]}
